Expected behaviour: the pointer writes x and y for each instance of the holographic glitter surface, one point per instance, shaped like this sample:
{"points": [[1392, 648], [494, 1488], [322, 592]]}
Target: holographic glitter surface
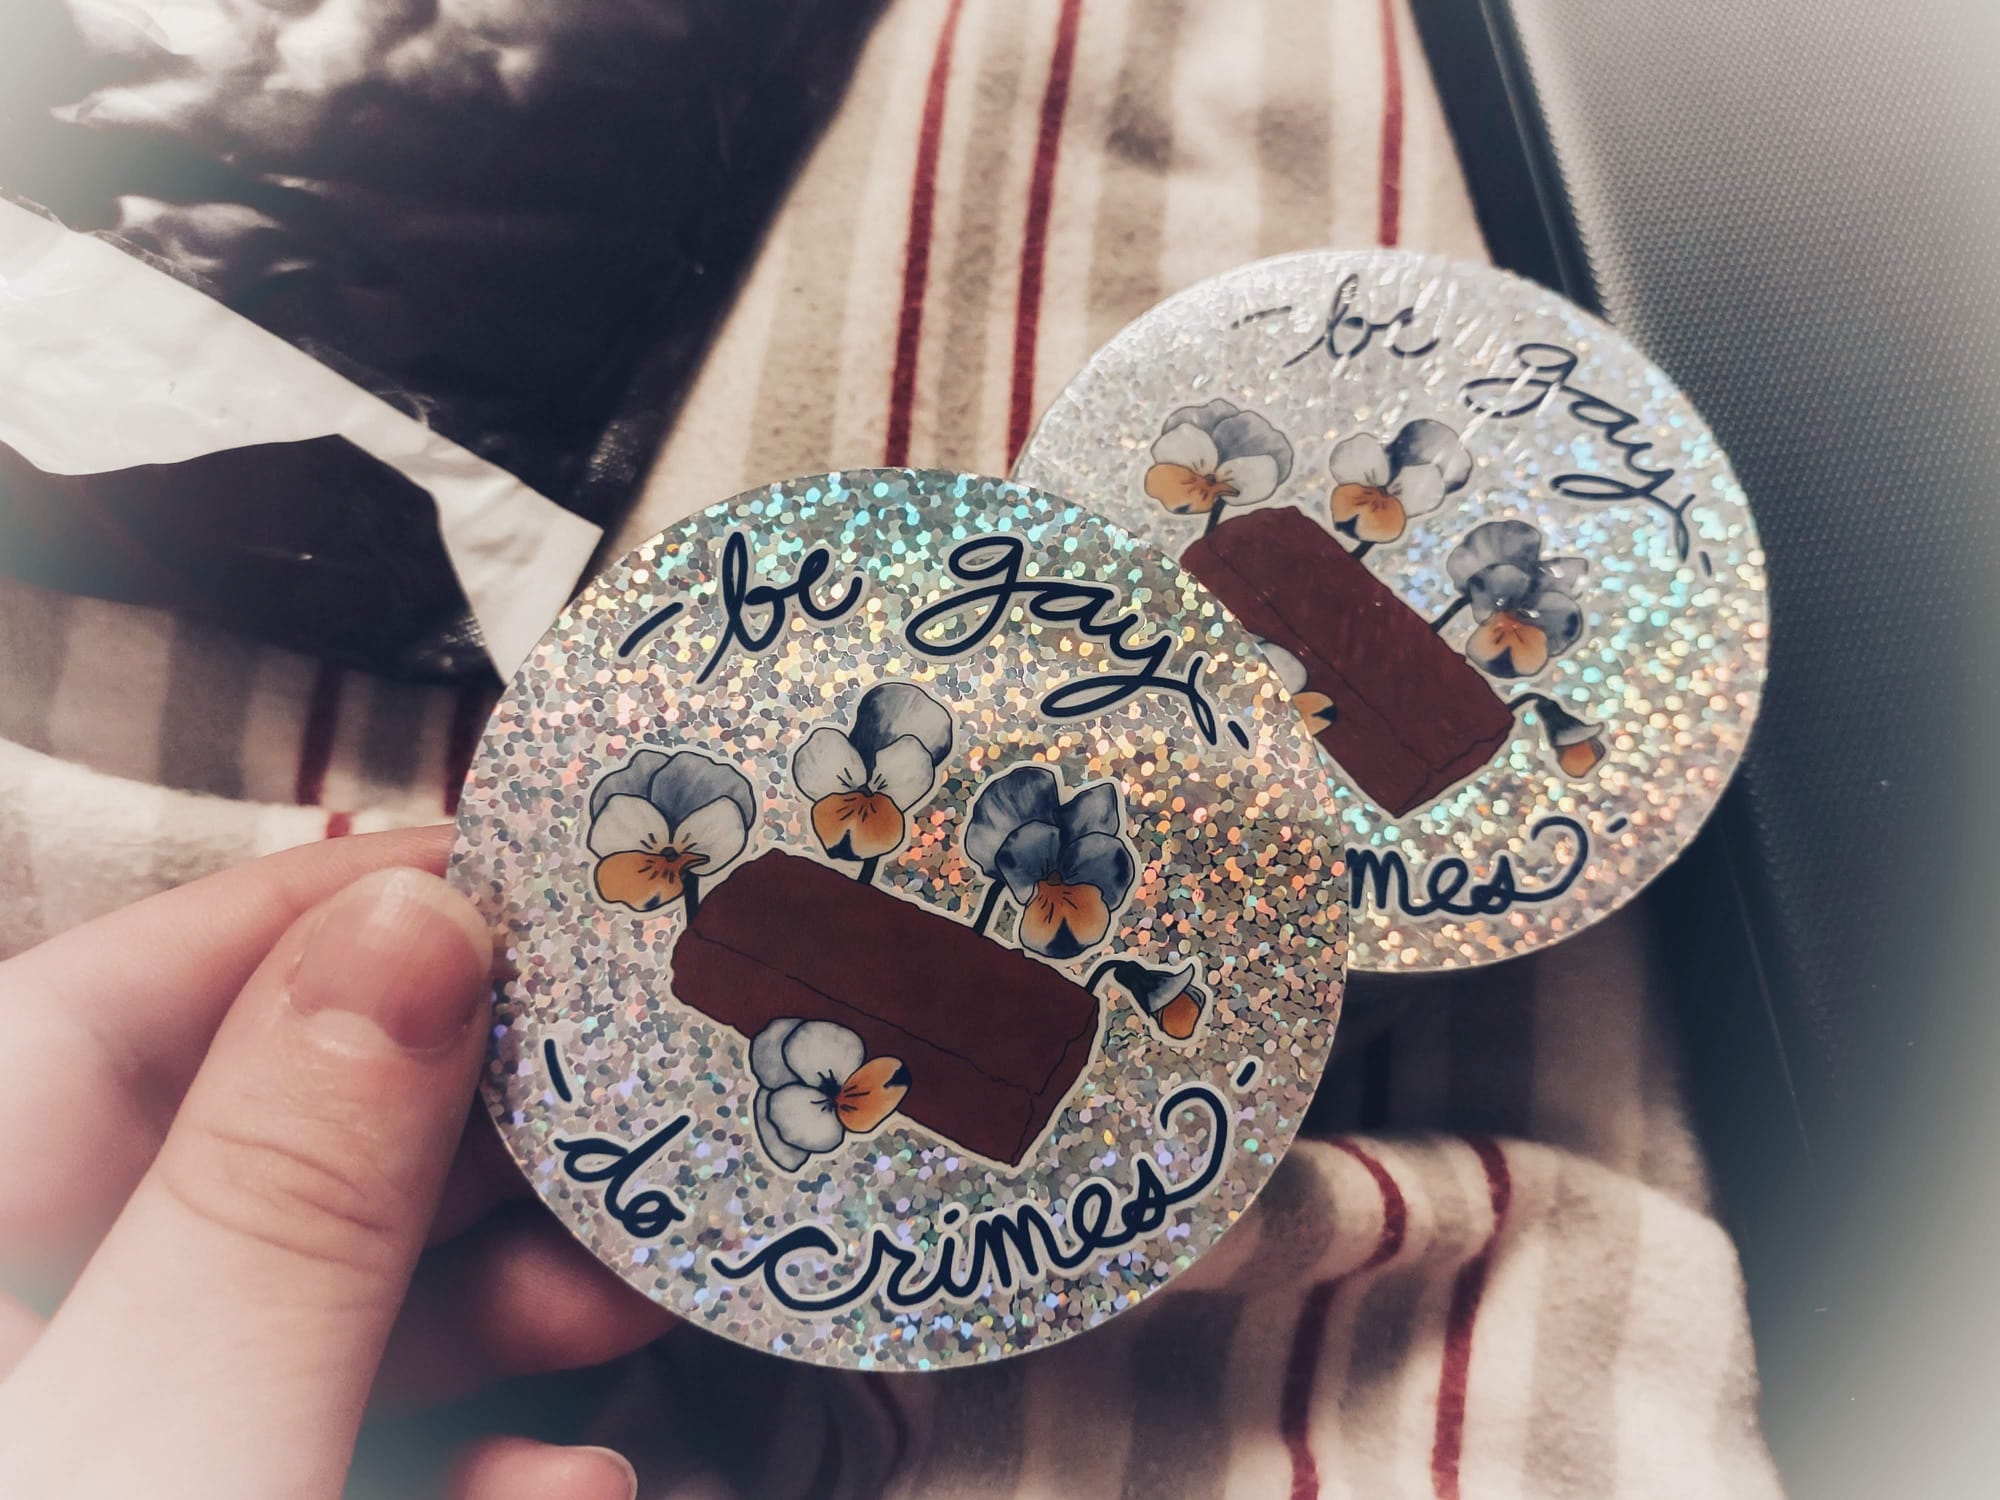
{"points": [[726, 644], [1402, 405]]}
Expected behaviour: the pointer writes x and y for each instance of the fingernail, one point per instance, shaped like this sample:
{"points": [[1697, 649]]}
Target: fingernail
{"points": [[403, 949], [618, 1471]]}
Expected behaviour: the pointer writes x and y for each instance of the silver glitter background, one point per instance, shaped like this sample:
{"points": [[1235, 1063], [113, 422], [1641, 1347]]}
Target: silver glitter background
{"points": [[1671, 660], [1238, 861]]}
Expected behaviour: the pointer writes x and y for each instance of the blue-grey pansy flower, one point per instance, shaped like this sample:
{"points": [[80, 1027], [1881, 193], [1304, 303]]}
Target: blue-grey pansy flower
{"points": [[1520, 598], [1170, 998], [1578, 743], [1063, 859]]}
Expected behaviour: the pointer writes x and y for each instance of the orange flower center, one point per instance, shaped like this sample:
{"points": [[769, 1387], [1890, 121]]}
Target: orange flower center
{"points": [[1509, 644], [1186, 491], [1368, 512], [872, 1093], [1581, 758], [858, 825], [1063, 920], [1179, 1016], [1315, 708], [646, 880]]}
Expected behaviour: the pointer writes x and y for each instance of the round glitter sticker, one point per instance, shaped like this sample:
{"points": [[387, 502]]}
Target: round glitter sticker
{"points": [[1497, 558], [923, 913]]}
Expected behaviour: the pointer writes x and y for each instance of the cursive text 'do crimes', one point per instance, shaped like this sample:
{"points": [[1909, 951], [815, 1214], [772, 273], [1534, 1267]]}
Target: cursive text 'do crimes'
{"points": [[1005, 1247], [1382, 878]]}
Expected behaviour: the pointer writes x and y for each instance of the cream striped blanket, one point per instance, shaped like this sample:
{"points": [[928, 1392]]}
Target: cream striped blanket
{"points": [[1492, 1272]]}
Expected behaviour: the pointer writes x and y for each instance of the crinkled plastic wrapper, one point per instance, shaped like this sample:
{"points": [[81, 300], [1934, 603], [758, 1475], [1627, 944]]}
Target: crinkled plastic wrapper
{"points": [[356, 342]]}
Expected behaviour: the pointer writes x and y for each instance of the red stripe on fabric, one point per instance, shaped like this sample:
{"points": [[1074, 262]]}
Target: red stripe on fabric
{"points": [[1395, 1210], [1389, 220], [1034, 241], [877, 1385], [917, 250], [316, 742], [339, 825], [1449, 1443], [1295, 1398], [1309, 1336], [469, 713]]}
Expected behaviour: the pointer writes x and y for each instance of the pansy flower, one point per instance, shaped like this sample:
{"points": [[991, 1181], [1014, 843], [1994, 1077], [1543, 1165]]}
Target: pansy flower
{"points": [[1520, 598], [1062, 859], [660, 822], [816, 1085], [1578, 743], [1170, 998], [1315, 708], [1216, 454], [864, 779], [1378, 487]]}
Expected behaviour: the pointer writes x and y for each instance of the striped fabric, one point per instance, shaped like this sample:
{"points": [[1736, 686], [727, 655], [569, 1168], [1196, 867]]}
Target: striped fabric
{"points": [[1491, 1272]]}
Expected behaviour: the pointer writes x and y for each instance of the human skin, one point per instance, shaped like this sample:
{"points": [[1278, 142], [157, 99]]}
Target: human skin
{"points": [[246, 1196]]}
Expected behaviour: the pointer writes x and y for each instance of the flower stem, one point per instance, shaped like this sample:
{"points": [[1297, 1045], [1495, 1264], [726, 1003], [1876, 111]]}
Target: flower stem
{"points": [[992, 904], [1214, 515], [867, 873], [1097, 974], [1525, 700], [691, 891], [1444, 619], [1361, 551]]}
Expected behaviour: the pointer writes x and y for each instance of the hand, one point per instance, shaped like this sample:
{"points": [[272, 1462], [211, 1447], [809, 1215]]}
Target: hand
{"points": [[229, 1116]]}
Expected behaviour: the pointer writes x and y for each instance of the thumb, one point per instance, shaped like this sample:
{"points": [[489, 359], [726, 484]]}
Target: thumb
{"points": [[223, 1339]]}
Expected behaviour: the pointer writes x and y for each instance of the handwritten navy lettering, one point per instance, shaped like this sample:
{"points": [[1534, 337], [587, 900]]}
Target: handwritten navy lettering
{"points": [[1545, 370], [659, 619], [1008, 1246], [1383, 879], [992, 564], [739, 598], [650, 1211], [1348, 332]]}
